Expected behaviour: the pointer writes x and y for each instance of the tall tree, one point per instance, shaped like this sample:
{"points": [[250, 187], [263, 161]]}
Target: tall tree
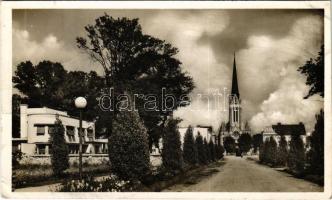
{"points": [[212, 150], [207, 151], [134, 61], [296, 158], [272, 151], [190, 154], [314, 71], [128, 147], [257, 141], [316, 152], [229, 144], [59, 149], [244, 142], [202, 159], [172, 152], [282, 151]]}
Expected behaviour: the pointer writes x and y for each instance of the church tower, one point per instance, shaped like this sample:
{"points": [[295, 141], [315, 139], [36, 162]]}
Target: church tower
{"points": [[235, 106]]}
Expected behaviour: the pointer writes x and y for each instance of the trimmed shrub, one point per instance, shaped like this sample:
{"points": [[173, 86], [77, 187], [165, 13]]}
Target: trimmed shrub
{"points": [[212, 150], [296, 158], [128, 147], [219, 151], [316, 152], [190, 154], [245, 142], [207, 151], [282, 152], [201, 150], [262, 151], [272, 151], [172, 152], [257, 141], [229, 144], [59, 149]]}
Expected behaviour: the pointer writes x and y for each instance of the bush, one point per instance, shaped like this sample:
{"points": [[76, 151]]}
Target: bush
{"points": [[257, 141], [212, 150], [16, 157], [272, 149], [229, 144], [207, 151], [190, 154], [172, 152], [282, 152], [262, 151], [59, 149], [296, 158], [244, 142], [128, 147], [316, 152], [219, 151], [89, 184], [201, 150]]}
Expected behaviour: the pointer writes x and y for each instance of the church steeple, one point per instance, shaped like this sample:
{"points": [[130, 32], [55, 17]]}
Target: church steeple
{"points": [[235, 88]]}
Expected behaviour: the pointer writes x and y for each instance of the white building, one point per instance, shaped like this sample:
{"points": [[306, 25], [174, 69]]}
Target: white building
{"points": [[286, 130], [37, 124]]}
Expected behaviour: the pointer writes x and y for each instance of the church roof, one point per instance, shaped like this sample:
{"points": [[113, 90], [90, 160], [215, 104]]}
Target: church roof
{"points": [[235, 87]]}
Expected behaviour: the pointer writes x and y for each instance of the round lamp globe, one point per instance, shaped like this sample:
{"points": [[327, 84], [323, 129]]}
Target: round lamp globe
{"points": [[80, 102]]}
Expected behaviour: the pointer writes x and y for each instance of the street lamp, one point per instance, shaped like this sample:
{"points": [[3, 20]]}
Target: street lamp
{"points": [[80, 103]]}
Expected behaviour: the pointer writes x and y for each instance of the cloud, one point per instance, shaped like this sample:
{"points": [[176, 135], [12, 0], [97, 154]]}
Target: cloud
{"points": [[282, 85], [49, 48]]}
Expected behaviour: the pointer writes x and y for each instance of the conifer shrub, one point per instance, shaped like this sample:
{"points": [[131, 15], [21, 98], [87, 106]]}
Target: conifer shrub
{"points": [[212, 150], [273, 150], [128, 147], [172, 156], [190, 154], [202, 159], [282, 152], [296, 158], [59, 149]]}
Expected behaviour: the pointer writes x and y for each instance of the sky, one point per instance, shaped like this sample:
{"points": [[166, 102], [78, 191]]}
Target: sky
{"points": [[269, 46]]}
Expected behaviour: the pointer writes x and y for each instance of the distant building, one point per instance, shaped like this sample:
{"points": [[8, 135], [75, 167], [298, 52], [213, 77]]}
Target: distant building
{"points": [[37, 124], [287, 130]]}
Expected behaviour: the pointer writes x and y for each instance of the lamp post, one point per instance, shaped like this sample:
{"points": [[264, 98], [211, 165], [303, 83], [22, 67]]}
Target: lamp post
{"points": [[80, 103]]}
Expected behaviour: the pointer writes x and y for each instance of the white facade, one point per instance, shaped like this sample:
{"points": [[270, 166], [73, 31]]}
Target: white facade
{"points": [[37, 124], [269, 131]]}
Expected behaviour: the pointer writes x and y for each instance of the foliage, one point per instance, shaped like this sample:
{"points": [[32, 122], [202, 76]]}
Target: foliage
{"points": [[316, 152], [271, 151], [59, 149], [229, 144], [207, 151], [138, 62], [89, 184], [172, 152], [219, 151], [257, 141], [282, 152], [314, 71], [202, 158], [212, 150], [262, 151], [128, 147], [16, 157], [245, 142], [296, 158], [190, 154]]}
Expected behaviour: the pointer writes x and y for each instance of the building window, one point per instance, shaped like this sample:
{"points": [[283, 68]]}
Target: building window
{"points": [[70, 133], [41, 149], [90, 134], [51, 129], [40, 129]]}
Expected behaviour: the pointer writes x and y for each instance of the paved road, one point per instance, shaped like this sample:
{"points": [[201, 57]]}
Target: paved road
{"points": [[242, 175]]}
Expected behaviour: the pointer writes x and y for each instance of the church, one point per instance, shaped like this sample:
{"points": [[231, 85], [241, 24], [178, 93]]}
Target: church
{"points": [[234, 127]]}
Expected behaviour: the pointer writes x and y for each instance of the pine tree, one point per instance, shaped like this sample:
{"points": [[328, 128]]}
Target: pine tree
{"points": [[282, 151], [172, 152], [273, 150], [59, 149], [190, 154], [128, 147], [200, 149], [207, 151], [212, 150], [296, 158], [316, 152]]}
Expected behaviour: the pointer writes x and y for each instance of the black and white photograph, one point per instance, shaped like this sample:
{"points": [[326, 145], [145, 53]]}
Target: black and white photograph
{"points": [[169, 100]]}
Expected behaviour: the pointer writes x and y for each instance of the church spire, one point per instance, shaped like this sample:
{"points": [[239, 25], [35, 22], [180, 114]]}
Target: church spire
{"points": [[235, 88]]}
